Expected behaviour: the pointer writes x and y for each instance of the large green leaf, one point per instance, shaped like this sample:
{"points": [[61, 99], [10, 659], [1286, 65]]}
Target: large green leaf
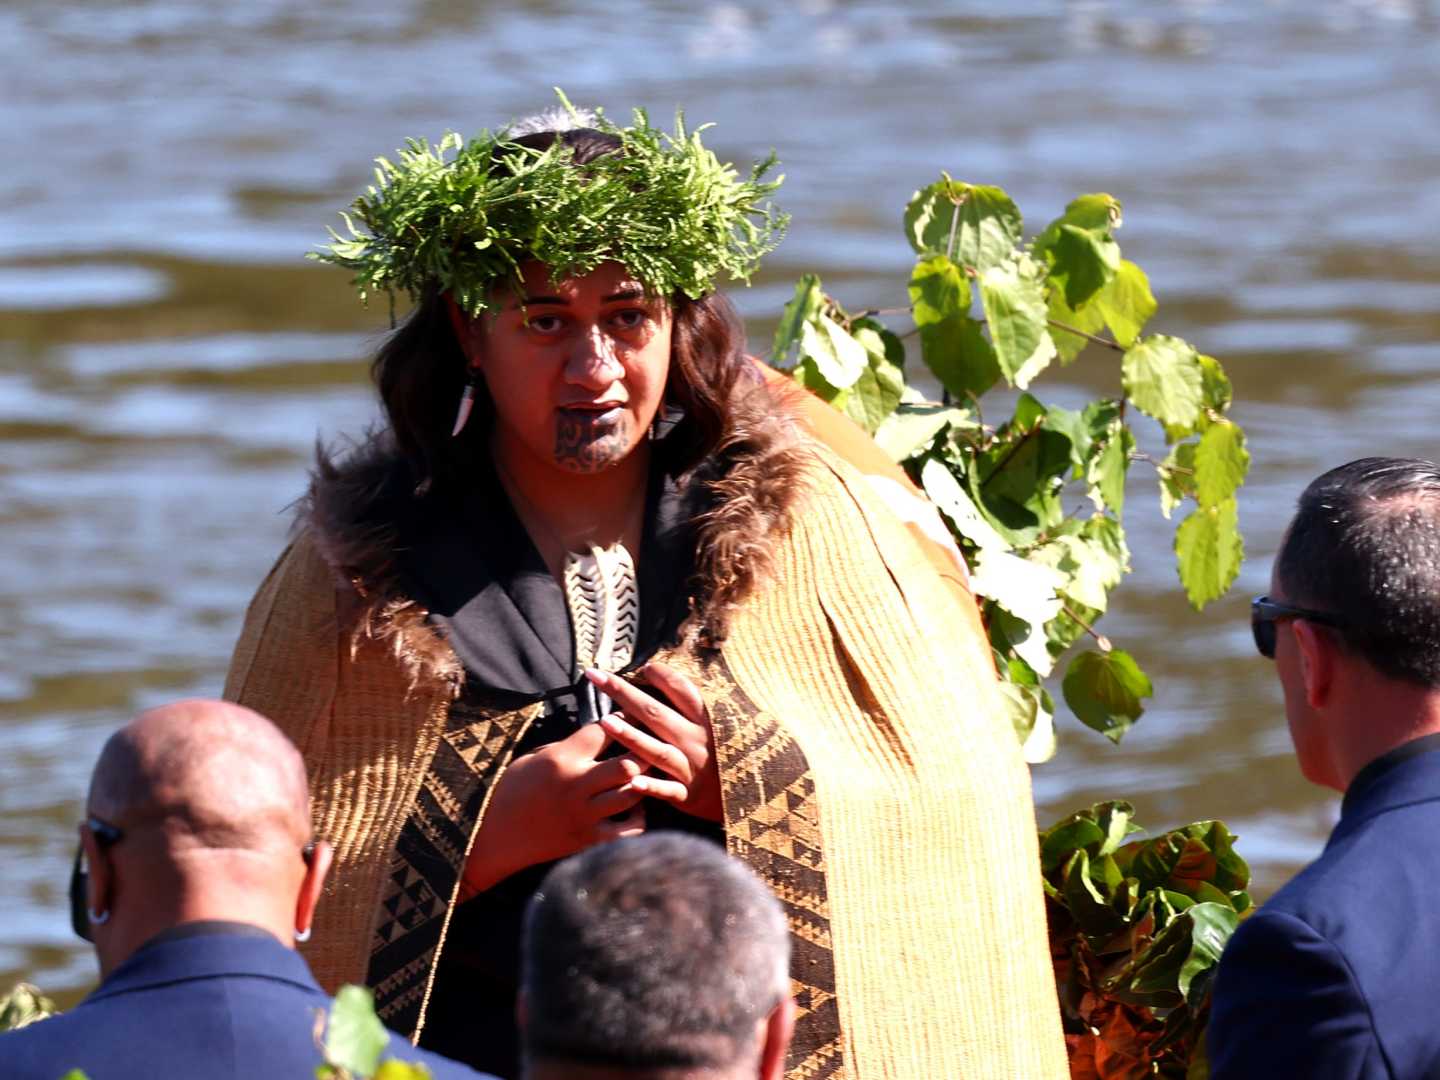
{"points": [[1074, 427], [1208, 551], [1015, 311], [974, 225], [22, 1006], [1087, 903], [838, 357], [1104, 691], [1078, 249], [1090, 568], [807, 374], [1100, 830], [1018, 477], [1105, 473], [1034, 724], [1177, 477], [1082, 262], [1087, 320], [1216, 384], [1126, 304], [912, 427], [1165, 972], [950, 340], [875, 394], [1221, 462], [1028, 592], [879, 339], [946, 492], [1162, 376], [802, 308], [354, 1037]]}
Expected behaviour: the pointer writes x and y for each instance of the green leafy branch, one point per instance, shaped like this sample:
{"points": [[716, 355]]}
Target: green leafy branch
{"points": [[352, 1039], [1136, 931], [993, 311]]}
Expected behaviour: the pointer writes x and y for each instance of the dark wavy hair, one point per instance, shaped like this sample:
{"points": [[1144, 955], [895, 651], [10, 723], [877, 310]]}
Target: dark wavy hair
{"points": [[1365, 546], [728, 418]]}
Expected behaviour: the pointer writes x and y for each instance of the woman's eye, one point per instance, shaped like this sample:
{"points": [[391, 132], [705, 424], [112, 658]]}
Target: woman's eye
{"points": [[630, 318], [545, 324]]}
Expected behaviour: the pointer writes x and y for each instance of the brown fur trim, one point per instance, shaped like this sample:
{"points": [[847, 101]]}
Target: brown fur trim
{"points": [[352, 511], [761, 475], [356, 501]]}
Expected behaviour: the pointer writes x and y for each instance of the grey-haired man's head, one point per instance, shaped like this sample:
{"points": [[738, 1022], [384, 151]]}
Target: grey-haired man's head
{"points": [[658, 956]]}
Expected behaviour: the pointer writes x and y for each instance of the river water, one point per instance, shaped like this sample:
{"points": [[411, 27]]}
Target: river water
{"points": [[167, 359]]}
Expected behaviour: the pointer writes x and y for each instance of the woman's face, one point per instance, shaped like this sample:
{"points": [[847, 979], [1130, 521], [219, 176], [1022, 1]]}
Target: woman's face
{"points": [[576, 368]]}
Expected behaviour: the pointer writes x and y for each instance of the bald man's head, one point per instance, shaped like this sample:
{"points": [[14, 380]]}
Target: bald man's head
{"points": [[208, 775], [211, 822]]}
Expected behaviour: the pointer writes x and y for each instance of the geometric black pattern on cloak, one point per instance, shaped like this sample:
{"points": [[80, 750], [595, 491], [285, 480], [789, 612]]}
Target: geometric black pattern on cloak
{"points": [[772, 822], [424, 875]]}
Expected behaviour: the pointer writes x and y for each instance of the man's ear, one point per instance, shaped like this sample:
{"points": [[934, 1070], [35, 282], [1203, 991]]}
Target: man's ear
{"points": [[779, 1027], [100, 877], [1317, 652], [316, 869]]}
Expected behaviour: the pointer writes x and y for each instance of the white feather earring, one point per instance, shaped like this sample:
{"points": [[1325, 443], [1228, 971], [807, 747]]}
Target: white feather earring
{"points": [[467, 403]]}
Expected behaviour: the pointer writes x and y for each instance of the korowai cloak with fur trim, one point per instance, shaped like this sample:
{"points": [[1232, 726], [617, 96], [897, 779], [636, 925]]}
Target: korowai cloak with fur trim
{"points": [[866, 774]]}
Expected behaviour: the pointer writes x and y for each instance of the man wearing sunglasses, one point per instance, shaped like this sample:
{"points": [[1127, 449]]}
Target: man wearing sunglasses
{"points": [[1338, 975], [196, 873]]}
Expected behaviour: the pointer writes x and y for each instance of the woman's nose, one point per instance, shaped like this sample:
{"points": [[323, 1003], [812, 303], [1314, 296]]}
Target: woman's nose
{"points": [[594, 362]]}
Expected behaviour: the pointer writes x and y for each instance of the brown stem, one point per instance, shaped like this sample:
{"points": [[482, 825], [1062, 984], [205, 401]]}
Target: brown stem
{"points": [[1100, 639], [1086, 335]]}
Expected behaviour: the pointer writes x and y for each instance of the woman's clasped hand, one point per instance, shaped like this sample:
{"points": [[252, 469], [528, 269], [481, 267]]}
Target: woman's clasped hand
{"points": [[573, 793], [671, 734]]}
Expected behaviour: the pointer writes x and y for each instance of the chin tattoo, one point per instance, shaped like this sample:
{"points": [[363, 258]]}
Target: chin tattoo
{"points": [[583, 446]]}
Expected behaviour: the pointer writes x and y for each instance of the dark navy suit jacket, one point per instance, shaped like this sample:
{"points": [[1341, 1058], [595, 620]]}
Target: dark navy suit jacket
{"points": [[199, 1005], [1338, 975]]}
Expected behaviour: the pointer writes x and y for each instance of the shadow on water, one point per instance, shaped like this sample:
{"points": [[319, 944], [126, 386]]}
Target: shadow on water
{"points": [[167, 359]]}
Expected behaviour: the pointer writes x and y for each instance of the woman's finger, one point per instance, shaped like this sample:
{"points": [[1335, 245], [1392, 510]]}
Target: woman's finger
{"points": [[612, 773], [616, 801], [587, 741], [648, 748], [683, 695], [642, 708], [657, 787]]}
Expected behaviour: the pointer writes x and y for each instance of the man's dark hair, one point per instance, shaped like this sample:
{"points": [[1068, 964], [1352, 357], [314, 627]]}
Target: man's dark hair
{"points": [[1365, 545], [653, 952]]}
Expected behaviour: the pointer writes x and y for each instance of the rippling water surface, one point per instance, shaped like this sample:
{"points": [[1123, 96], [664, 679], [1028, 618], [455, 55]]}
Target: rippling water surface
{"points": [[167, 359]]}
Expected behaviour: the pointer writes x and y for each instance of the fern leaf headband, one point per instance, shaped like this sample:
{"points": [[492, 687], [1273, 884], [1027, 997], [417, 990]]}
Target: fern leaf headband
{"points": [[463, 215]]}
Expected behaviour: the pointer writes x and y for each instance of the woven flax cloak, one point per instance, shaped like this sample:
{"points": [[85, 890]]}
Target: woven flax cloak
{"points": [[865, 775]]}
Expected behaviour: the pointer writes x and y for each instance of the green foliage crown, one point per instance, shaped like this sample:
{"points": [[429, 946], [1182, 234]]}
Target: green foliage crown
{"points": [[663, 206]]}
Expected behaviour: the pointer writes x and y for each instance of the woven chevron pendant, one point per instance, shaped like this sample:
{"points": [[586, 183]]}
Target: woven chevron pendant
{"points": [[604, 603]]}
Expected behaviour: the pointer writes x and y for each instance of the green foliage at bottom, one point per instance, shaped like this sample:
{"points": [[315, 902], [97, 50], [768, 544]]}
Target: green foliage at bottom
{"points": [[354, 1040], [23, 1005], [1136, 931]]}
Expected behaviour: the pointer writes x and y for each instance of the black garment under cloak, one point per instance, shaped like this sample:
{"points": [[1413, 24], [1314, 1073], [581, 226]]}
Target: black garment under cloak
{"points": [[469, 561]]}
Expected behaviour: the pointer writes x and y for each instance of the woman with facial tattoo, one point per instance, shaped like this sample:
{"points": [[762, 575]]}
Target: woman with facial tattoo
{"points": [[592, 579]]}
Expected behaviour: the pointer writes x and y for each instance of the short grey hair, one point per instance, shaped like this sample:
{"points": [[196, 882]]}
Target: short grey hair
{"points": [[652, 952]]}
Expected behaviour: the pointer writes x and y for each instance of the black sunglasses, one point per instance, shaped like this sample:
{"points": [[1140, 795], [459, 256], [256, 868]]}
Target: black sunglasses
{"points": [[106, 836], [1265, 613]]}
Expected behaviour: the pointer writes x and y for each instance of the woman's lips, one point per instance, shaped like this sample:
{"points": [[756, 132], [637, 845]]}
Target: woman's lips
{"points": [[607, 413]]}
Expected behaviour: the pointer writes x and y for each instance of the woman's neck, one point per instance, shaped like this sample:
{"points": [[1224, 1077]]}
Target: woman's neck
{"points": [[564, 511]]}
